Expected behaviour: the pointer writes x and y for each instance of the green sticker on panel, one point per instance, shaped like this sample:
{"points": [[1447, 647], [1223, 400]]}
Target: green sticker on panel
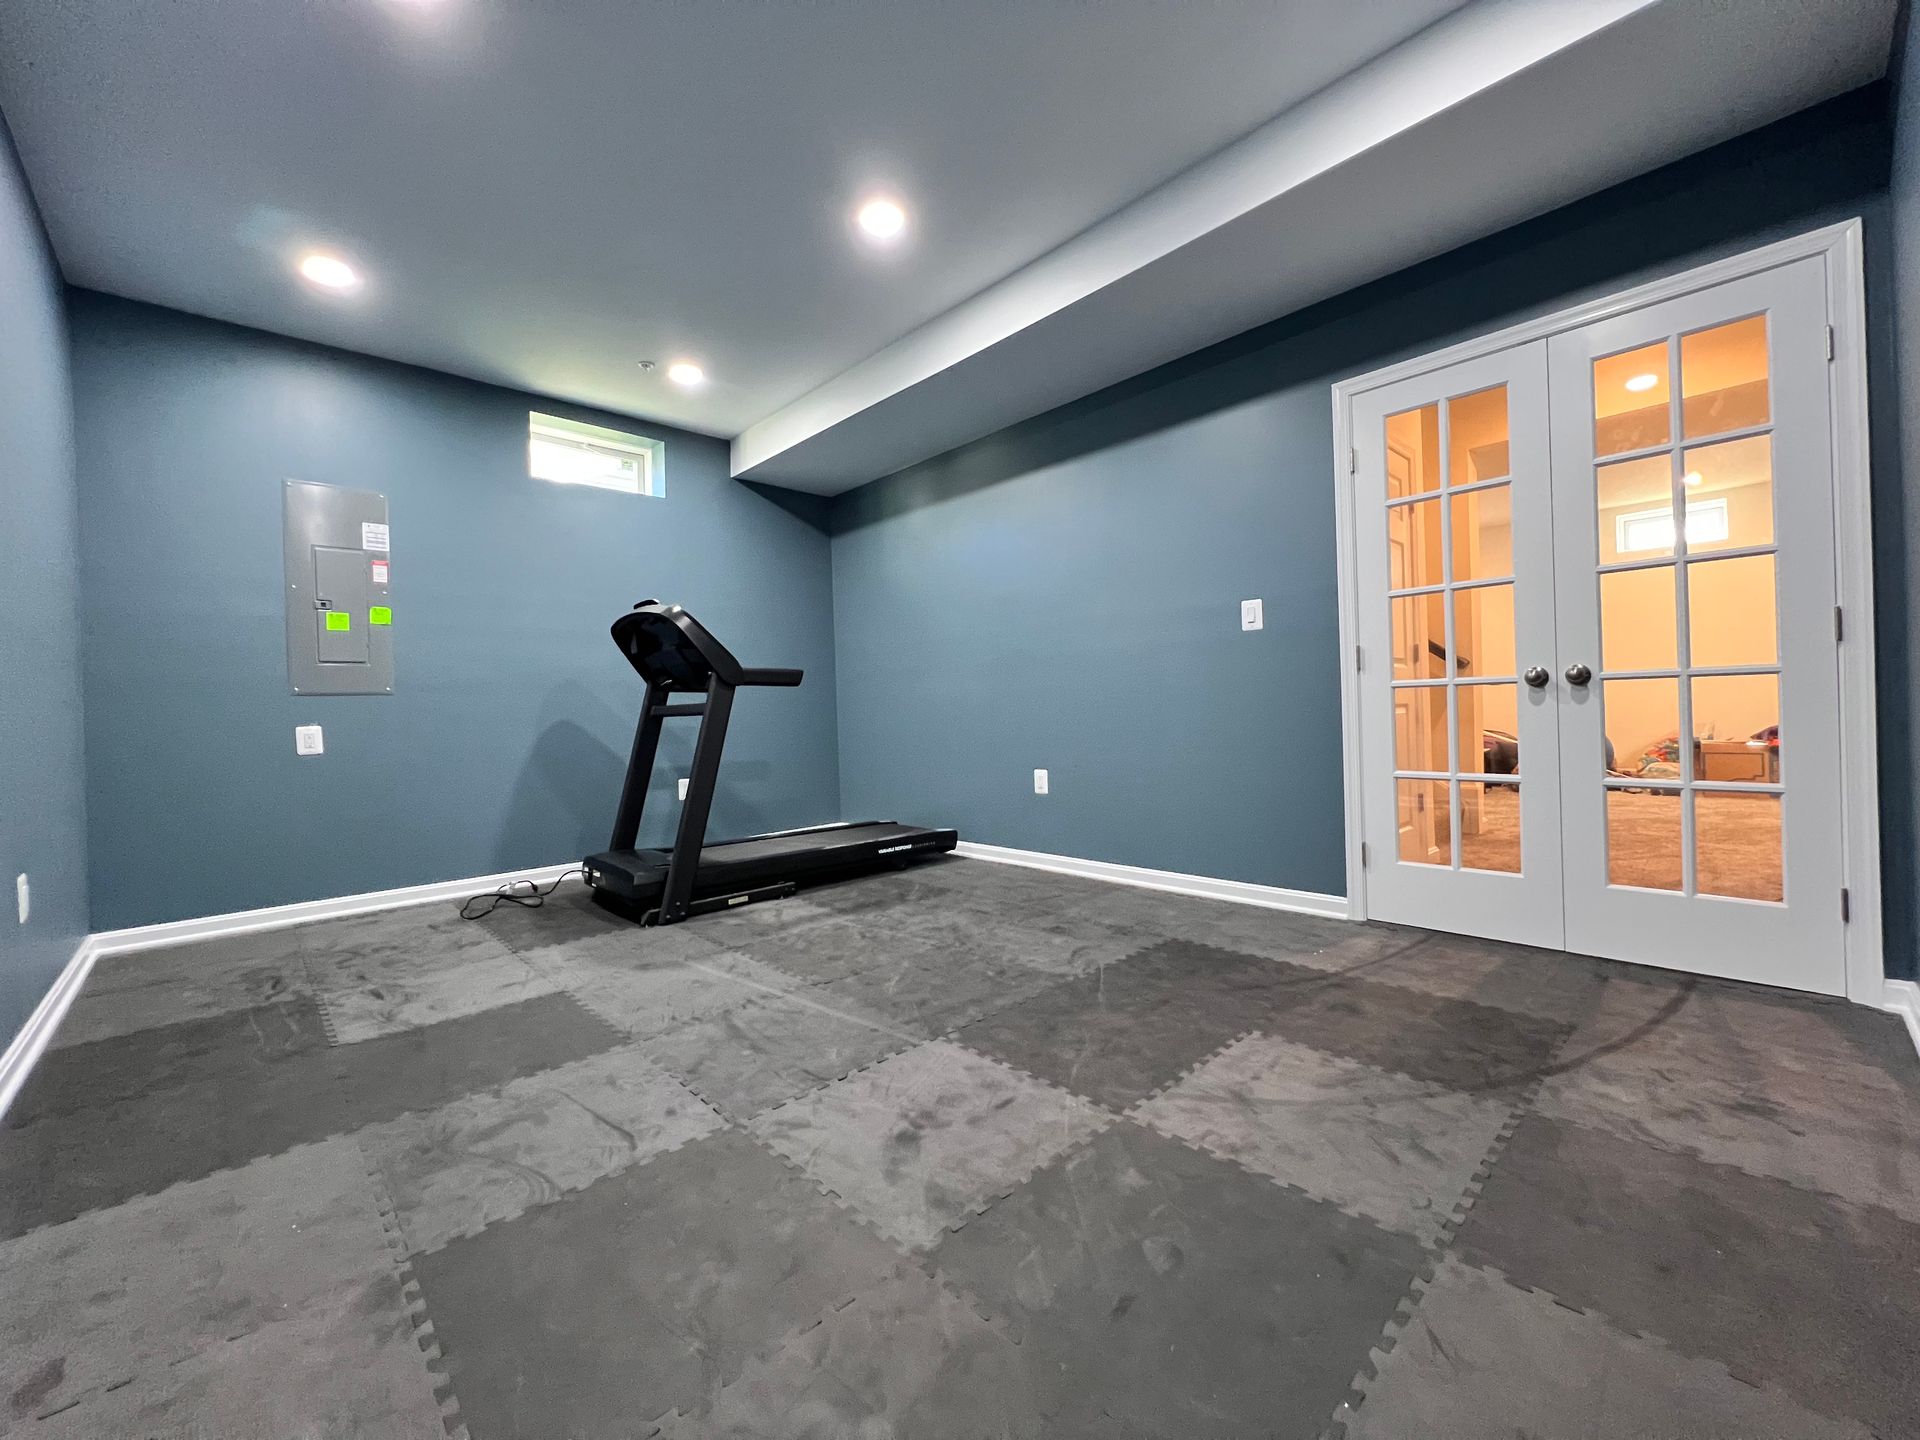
{"points": [[339, 620], [380, 615]]}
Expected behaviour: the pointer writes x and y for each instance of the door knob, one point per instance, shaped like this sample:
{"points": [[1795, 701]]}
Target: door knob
{"points": [[1578, 674], [1537, 676]]}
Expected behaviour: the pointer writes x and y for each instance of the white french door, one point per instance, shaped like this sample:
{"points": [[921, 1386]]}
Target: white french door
{"points": [[1599, 571], [1455, 571]]}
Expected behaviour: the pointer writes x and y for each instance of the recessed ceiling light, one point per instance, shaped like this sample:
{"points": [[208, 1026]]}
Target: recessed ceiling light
{"points": [[1692, 477], [686, 374], [882, 218], [1646, 381], [329, 272]]}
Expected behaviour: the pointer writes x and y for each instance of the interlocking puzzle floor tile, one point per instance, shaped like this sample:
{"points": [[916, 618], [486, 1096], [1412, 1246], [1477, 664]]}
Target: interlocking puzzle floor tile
{"points": [[906, 1358], [1774, 1282], [918, 1143], [640, 1294], [1481, 1358], [491, 1156], [148, 988], [1399, 1151], [1172, 1291], [68, 1164], [215, 1303], [647, 991], [770, 1050], [1115, 1035]]}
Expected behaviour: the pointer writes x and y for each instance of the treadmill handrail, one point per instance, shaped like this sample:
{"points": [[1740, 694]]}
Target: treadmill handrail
{"points": [[771, 677]]}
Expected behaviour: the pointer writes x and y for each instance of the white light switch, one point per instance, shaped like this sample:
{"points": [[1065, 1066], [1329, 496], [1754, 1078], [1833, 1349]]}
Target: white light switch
{"points": [[1251, 616], [1039, 782], [307, 740], [23, 897], [683, 788]]}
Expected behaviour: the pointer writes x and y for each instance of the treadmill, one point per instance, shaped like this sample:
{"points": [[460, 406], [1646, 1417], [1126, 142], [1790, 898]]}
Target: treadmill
{"points": [[676, 655]]}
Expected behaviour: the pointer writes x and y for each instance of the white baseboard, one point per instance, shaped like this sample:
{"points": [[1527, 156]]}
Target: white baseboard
{"points": [[1902, 997], [275, 917], [1240, 892], [34, 1037]]}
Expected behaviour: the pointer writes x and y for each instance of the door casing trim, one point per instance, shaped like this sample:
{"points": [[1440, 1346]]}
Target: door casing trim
{"points": [[1841, 249]]}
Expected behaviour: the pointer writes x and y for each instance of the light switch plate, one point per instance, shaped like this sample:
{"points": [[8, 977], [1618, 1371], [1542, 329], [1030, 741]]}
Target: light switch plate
{"points": [[23, 897], [684, 782], [1252, 616], [307, 740], [1039, 782]]}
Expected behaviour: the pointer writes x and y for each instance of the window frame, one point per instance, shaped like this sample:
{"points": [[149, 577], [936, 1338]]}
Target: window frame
{"points": [[579, 436]]}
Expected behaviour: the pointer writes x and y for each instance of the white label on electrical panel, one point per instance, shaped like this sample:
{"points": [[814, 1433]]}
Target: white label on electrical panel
{"points": [[372, 536], [379, 572]]}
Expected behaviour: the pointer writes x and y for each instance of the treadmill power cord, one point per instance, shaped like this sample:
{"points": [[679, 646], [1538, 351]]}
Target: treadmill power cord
{"points": [[532, 897]]}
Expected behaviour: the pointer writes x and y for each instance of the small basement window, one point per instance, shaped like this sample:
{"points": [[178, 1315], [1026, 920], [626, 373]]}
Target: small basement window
{"points": [[1653, 529], [569, 452]]}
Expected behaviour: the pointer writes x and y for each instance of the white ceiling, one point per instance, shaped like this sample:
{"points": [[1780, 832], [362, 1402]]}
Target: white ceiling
{"points": [[543, 195], [1502, 111]]}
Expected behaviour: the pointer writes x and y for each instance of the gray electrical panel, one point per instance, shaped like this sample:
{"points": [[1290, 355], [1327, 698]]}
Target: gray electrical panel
{"points": [[339, 613]]}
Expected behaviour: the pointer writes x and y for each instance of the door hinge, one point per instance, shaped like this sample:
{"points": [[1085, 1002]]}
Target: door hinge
{"points": [[1829, 342], [1365, 855], [1846, 906], [1359, 658], [1839, 625], [1353, 461]]}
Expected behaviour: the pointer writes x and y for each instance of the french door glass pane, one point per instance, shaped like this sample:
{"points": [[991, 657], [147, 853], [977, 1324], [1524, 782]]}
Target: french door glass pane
{"points": [[1736, 727], [1730, 485], [1420, 636], [1483, 533], [1426, 827], [1736, 845], [1413, 452], [1643, 838], [1489, 729], [1639, 620], [1629, 494], [1477, 437], [1643, 728], [1632, 405], [1413, 545], [1731, 611], [1723, 378], [1483, 631], [1489, 827], [1420, 727]]}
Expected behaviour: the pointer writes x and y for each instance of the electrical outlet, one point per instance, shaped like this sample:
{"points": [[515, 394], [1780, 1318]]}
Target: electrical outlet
{"points": [[1039, 782], [307, 740], [683, 787], [1252, 615], [23, 897]]}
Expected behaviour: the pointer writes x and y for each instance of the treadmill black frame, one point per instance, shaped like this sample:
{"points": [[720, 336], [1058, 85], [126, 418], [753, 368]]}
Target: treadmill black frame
{"points": [[668, 674]]}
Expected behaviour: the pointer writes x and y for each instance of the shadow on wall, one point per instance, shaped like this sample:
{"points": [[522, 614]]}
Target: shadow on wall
{"points": [[571, 771], [575, 772]]}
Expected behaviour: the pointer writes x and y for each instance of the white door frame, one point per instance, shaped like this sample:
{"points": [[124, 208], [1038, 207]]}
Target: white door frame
{"points": [[1840, 247]]}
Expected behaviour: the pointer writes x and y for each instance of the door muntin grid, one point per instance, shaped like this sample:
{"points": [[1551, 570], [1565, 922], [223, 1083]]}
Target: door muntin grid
{"points": [[1689, 620], [1451, 603]]}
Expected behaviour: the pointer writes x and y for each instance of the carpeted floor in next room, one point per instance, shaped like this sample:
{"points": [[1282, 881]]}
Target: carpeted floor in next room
{"points": [[968, 1151]]}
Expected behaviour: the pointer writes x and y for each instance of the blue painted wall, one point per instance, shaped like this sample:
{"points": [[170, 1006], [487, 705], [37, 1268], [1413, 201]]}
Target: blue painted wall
{"points": [[1066, 593], [1897, 521], [42, 786], [506, 739]]}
